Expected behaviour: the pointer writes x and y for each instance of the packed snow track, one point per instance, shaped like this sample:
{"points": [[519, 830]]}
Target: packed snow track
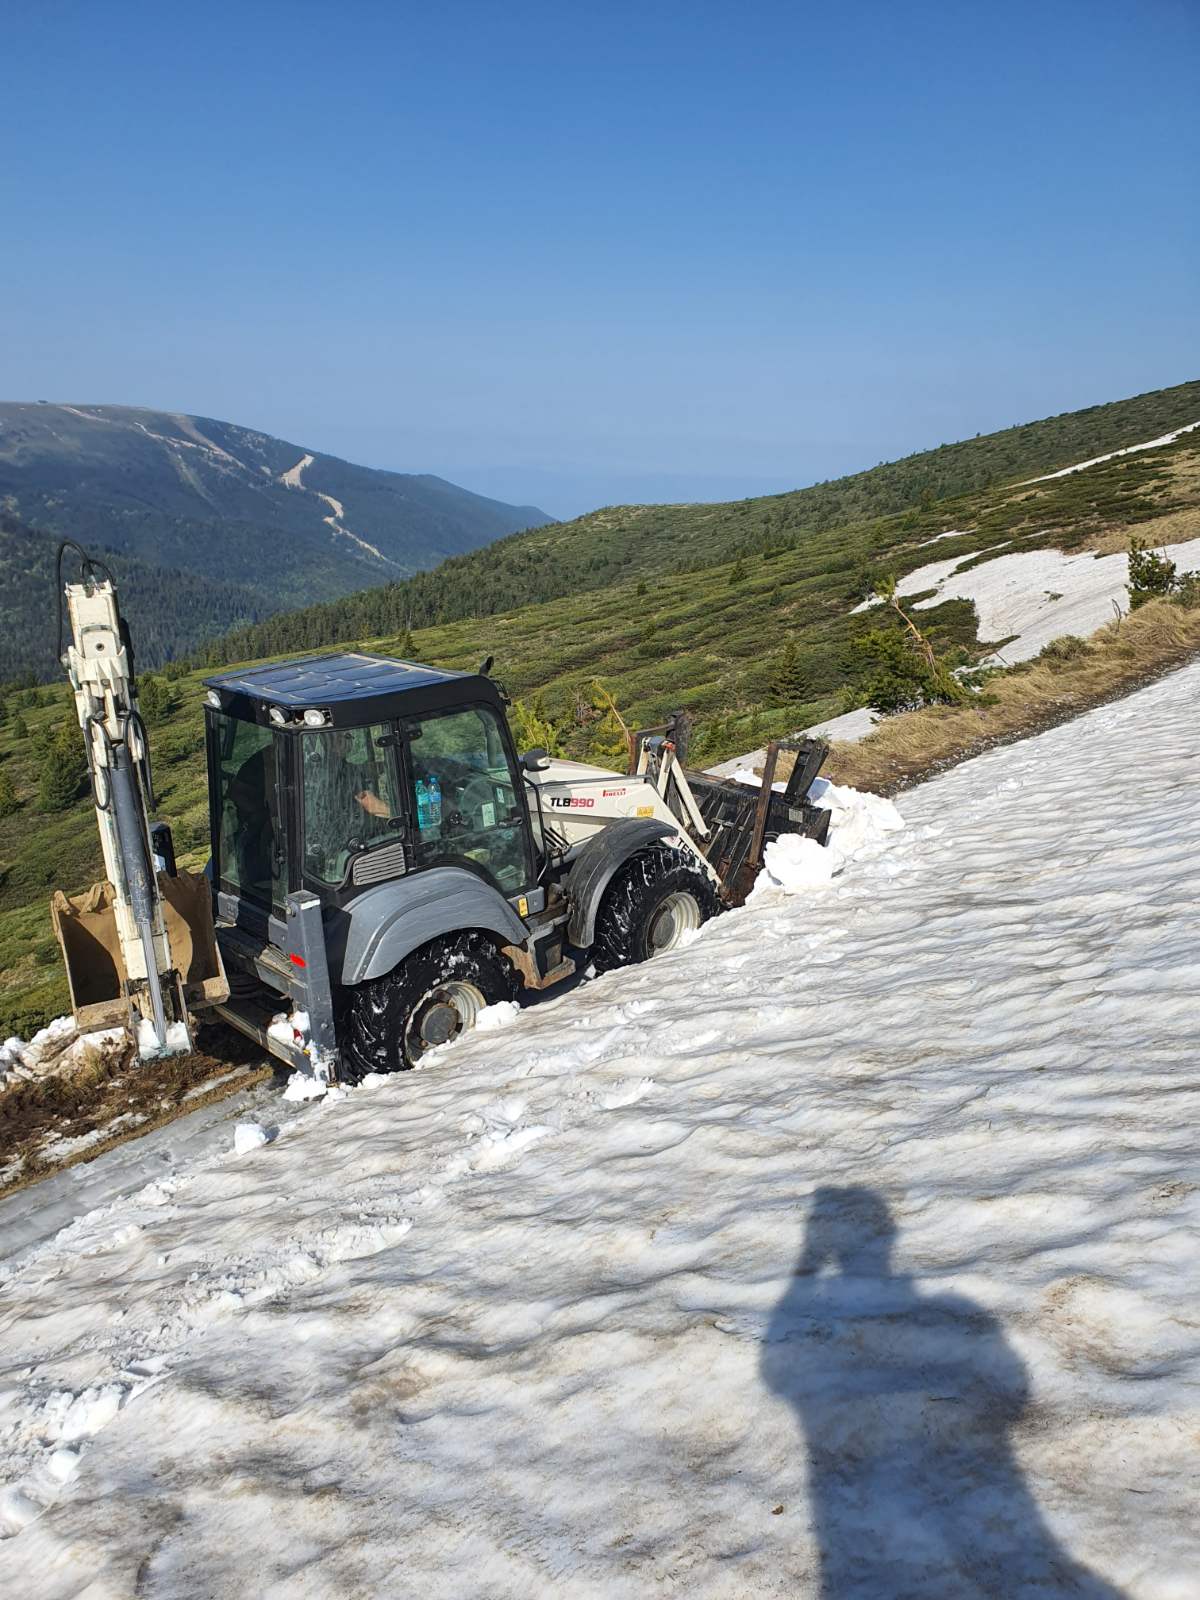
{"points": [[851, 1251]]}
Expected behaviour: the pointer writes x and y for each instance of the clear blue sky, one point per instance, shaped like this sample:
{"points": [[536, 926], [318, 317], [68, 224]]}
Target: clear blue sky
{"points": [[576, 252]]}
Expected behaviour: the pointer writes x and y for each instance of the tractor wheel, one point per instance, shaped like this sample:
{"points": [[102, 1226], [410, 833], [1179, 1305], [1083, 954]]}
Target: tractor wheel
{"points": [[651, 903], [430, 998]]}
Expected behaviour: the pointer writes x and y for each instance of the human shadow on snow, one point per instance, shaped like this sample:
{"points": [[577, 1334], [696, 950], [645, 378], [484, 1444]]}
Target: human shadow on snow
{"points": [[905, 1402]]}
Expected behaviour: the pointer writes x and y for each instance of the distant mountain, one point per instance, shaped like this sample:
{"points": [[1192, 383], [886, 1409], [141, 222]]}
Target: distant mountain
{"points": [[270, 524]]}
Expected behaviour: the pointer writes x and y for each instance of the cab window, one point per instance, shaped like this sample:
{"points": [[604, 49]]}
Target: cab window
{"points": [[466, 807], [247, 820], [350, 796]]}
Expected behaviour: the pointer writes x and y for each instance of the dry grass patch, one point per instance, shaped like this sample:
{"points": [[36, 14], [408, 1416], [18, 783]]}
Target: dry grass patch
{"points": [[1174, 527], [1118, 659]]}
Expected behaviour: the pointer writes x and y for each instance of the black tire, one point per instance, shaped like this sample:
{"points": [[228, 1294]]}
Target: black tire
{"points": [[651, 899], [391, 1022]]}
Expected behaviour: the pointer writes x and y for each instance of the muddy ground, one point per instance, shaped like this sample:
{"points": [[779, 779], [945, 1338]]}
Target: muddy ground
{"points": [[44, 1110]]}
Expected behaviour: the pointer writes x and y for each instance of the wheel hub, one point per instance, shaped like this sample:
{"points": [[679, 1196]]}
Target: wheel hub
{"points": [[445, 1013], [678, 914]]}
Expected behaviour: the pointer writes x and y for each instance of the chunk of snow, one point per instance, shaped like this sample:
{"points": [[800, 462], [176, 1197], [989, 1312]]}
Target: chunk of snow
{"points": [[795, 864], [176, 1039], [248, 1136], [496, 1016], [305, 1086]]}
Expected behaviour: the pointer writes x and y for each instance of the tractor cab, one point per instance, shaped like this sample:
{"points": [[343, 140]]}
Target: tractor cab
{"points": [[338, 773]]}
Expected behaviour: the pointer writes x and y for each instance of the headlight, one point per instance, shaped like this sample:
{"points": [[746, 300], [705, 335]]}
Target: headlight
{"points": [[314, 718]]}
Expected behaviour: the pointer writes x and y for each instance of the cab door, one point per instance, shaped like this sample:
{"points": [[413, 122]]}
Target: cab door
{"points": [[248, 784], [466, 799]]}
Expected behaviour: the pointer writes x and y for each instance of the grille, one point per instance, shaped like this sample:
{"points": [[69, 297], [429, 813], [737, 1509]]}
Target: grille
{"points": [[389, 861]]}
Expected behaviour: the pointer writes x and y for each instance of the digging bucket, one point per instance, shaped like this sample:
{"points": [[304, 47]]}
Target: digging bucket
{"points": [[86, 928]]}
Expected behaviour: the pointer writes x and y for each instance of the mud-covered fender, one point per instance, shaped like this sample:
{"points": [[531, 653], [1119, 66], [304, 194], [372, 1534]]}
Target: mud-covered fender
{"points": [[389, 922], [595, 864]]}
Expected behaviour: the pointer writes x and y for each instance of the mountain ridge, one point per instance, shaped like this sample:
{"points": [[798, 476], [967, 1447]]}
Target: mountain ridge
{"points": [[269, 523]]}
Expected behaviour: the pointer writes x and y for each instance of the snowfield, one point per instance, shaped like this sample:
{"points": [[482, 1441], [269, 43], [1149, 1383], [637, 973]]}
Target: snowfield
{"points": [[851, 1251], [1036, 595]]}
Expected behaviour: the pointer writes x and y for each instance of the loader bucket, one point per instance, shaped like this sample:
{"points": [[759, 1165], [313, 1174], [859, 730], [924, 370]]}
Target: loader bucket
{"points": [[86, 929]]}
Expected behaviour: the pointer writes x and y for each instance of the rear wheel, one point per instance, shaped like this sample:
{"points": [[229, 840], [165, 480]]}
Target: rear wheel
{"points": [[429, 999], [651, 905]]}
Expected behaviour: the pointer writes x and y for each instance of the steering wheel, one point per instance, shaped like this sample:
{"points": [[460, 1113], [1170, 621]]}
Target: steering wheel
{"points": [[477, 791]]}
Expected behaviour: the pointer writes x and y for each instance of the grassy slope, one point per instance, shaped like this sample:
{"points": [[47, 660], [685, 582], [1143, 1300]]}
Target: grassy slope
{"points": [[707, 639], [619, 542]]}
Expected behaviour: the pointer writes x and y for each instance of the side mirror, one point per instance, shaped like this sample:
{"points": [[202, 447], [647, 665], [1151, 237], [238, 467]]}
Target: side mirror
{"points": [[535, 760], [485, 666]]}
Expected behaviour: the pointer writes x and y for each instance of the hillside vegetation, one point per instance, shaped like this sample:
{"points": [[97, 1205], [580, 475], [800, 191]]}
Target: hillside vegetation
{"points": [[175, 611], [622, 542], [753, 645], [263, 523]]}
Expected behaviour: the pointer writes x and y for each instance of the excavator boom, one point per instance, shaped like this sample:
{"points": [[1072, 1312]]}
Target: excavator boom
{"points": [[119, 939]]}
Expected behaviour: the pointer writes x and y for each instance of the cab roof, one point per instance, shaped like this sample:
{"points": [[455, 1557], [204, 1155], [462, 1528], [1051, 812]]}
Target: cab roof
{"points": [[322, 680], [352, 686]]}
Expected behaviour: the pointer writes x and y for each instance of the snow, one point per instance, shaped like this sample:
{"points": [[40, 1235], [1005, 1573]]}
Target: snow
{"points": [[1038, 595], [849, 728], [1129, 450], [853, 1249], [55, 1049], [176, 1041], [249, 1136]]}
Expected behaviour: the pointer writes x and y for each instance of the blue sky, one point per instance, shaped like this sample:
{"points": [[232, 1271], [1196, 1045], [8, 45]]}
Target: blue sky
{"points": [[580, 253]]}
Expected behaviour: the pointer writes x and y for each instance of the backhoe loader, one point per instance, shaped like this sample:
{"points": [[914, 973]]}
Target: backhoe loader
{"points": [[383, 863]]}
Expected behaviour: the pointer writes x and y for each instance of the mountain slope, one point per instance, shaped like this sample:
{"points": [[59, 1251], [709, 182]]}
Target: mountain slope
{"points": [[175, 611], [231, 504], [617, 543]]}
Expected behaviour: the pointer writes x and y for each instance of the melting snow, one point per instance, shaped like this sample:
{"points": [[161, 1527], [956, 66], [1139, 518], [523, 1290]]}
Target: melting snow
{"points": [[853, 1249], [1038, 595], [1129, 450]]}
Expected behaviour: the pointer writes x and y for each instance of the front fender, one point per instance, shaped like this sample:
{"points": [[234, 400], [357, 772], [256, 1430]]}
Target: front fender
{"points": [[595, 864], [389, 922]]}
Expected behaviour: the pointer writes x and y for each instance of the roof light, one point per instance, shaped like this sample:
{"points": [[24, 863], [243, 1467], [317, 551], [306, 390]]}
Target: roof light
{"points": [[277, 717], [314, 718], [212, 698]]}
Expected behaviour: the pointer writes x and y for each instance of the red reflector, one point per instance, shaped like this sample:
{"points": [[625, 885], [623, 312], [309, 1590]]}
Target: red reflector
{"points": [[298, 961]]}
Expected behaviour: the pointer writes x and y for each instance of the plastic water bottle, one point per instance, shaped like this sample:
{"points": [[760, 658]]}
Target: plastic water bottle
{"points": [[434, 792], [422, 805]]}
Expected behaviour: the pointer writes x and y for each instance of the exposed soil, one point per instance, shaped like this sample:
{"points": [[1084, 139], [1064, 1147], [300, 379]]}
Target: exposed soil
{"points": [[68, 1106]]}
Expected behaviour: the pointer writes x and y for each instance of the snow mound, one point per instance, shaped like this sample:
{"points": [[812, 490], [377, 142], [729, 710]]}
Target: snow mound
{"points": [[859, 826], [501, 1015]]}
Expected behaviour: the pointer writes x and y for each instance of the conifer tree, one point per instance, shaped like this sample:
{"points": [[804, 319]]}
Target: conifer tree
{"points": [[63, 770], [790, 685], [8, 796]]}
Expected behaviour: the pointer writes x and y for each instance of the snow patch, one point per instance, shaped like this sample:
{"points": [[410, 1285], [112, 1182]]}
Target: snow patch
{"points": [[249, 1136], [1129, 450], [1037, 595]]}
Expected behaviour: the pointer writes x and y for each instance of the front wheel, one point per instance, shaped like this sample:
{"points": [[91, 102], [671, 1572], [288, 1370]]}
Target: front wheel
{"points": [[428, 999], [650, 907]]}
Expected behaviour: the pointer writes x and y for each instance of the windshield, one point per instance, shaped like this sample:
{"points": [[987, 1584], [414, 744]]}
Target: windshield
{"points": [[350, 796]]}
